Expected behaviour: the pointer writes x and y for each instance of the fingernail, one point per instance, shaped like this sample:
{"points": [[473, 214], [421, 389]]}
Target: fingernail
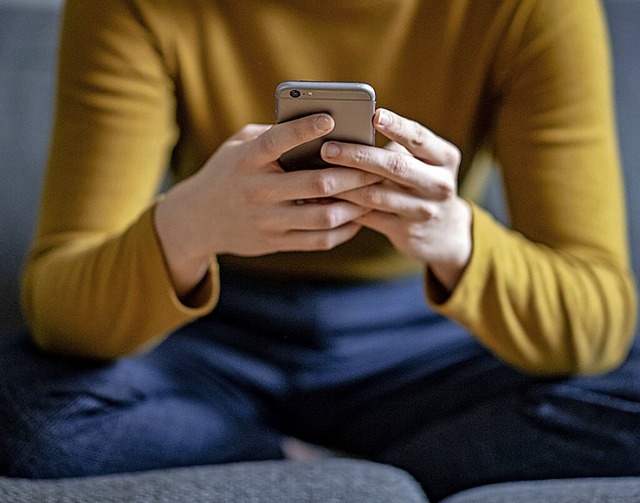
{"points": [[330, 149], [384, 118], [323, 123]]}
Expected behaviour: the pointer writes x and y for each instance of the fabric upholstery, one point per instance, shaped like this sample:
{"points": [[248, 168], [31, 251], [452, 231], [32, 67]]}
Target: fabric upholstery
{"points": [[328, 481], [28, 37], [618, 490], [624, 19]]}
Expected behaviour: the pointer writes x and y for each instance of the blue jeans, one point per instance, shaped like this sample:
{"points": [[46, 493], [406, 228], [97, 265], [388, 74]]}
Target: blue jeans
{"points": [[364, 368]]}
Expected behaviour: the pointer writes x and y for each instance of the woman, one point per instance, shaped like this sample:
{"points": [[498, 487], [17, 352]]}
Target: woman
{"points": [[207, 324]]}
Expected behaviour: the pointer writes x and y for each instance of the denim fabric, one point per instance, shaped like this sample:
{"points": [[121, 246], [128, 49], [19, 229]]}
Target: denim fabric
{"points": [[366, 369]]}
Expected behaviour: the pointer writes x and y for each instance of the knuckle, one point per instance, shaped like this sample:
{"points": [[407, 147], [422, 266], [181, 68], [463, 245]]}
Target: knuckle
{"points": [[414, 233], [373, 196], [445, 189], [453, 156], [329, 218], [361, 156], [265, 228], [301, 132], [419, 136], [255, 194], [425, 212], [268, 143], [397, 165], [323, 184]]}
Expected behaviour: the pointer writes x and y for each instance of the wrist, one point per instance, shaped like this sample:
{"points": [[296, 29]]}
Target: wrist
{"points": [[186, 261], [449, 272], [448, 276]]}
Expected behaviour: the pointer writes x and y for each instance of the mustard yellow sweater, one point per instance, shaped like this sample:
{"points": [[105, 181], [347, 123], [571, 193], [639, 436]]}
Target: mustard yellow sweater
{"points": [[145, 84]]}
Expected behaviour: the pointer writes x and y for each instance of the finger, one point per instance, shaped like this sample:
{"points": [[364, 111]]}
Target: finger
{"points": [[436, 182], [270, 145], [299, 240], [324, 183], [417, 139], [323, 215], [393, 199], [250, 131], [396, 147], [384, 223]]}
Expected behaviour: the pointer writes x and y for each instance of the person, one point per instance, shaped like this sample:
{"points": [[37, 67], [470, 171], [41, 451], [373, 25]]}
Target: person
{"points": [[390, 316]]}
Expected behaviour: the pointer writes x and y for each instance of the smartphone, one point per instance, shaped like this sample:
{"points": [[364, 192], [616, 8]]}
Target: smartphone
{"points": [[351, 104]]}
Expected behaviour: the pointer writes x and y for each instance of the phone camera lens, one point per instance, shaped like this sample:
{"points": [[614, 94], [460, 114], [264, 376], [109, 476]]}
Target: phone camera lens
{"points": [[294, 93]]}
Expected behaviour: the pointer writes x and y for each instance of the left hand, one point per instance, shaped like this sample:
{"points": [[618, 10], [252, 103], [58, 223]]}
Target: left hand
{"points": [[417, 205]]}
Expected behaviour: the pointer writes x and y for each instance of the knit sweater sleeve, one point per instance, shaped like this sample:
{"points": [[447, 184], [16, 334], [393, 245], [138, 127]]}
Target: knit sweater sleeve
{"points": [[554, 294], [95, 283]]}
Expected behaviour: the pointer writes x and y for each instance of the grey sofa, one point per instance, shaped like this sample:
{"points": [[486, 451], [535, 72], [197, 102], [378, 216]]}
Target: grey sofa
{"points": [[28, 30]]}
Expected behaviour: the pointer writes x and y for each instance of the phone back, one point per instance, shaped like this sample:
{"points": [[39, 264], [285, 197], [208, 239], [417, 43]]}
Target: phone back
{"points": [[351, 105]]}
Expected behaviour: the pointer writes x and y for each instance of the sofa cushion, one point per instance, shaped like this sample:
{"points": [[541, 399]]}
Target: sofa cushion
{"points": [[28, 34], [624, 20], [599, 490], [327, 481]]}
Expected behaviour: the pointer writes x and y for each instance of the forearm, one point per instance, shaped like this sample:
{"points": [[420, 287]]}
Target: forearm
{"points": [[105, 298], [545, 311]]}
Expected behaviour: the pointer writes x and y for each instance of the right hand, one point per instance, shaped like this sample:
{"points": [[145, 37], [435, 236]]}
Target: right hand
{"points": [[242, 202]]}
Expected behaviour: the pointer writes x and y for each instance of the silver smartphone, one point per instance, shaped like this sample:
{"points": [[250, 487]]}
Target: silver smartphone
{"points": [[351, 104]]}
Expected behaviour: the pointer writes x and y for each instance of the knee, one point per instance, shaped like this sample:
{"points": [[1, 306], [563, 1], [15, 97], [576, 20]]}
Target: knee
{"points": [[56, 420], [62, 436]]}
